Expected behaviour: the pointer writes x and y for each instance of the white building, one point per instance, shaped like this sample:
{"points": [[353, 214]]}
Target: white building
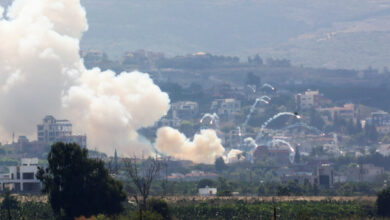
{"points": [[370, 172], [207, 191], [311, 99], [52, 130], [307, 100], [22, 178], [226, 107]]}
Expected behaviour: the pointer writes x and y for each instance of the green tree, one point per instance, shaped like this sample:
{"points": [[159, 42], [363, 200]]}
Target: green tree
{"points": [[9, 203], [142, 176], [252, 79], [220, 164], [79, 186], [316, 119], [187, 128], [261, 190], [205, 182], [283, 191], [161, 207], [383, 202]]}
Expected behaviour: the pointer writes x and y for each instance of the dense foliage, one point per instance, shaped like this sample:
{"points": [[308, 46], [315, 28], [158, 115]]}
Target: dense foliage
{"points": [[383, 202], [28, 211], [265, 210], [79, 186]]}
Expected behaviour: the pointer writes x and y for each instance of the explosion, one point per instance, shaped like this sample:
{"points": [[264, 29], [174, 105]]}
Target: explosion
{"points": [[41, 73], [204, 148]]}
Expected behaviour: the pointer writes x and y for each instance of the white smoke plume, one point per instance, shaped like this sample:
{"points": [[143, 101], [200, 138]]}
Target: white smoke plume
{"points": [[42, 73], [204, 148], [234, 156]]}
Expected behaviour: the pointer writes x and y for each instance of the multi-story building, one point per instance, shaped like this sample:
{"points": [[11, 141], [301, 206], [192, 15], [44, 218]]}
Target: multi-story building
{"points": [[279, 156], [370, 172], [225, 108], [307, 100], [22, 178], [81, 140], [52, 130], [325, 175], [380, 118], [170, 122], [348, 111], [186, 110], [364, 172], [311, 99], [92, 56]]}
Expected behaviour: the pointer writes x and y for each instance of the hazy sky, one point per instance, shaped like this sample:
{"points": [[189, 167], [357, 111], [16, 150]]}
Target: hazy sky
{"points": [[334, 33]]}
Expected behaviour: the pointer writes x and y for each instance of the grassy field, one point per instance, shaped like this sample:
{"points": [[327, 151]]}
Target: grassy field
{"points": [[175, 199], [254, 207]]}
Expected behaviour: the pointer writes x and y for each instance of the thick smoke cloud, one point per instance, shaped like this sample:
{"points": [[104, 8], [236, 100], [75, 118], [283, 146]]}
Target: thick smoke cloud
{"points": [[41, 73], [234, 155], [204, 148]]}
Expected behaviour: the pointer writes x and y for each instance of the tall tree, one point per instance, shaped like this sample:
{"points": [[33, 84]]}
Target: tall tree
{"points": [[79, 186], [383, 203], [220, 164], [142, 178], [252, 79]]}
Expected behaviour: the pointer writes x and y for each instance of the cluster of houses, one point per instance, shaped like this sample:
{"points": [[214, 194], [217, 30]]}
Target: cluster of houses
{"points": [[229, 103], [194, 175]]}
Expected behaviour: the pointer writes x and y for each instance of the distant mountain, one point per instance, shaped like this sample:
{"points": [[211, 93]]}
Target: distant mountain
{"points": [[335, 34]]}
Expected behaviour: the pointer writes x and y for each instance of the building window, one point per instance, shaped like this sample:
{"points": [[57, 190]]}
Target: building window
{"points": [[28, 176]]}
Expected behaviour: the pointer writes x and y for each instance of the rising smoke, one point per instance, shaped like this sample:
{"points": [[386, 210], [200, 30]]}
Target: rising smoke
{"points": [[41, 73], [204, 148], [234, 156]]}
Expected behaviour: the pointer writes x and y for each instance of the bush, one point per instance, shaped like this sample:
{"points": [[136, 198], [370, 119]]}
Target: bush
{"points": [[146, 215], [224, 193], [161, 207], [383, 203]]}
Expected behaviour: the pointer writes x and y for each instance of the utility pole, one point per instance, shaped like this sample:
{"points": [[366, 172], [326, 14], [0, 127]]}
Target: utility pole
{"points": [[274, 213]]}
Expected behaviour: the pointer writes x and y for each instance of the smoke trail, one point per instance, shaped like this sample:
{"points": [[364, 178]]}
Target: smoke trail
{"points": [[249, 141], [204, 148], [268, 86], [251, 110], [265, 124], [214, 120], [264, 99], [283, 142], [252, 87], [42, 73]]}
